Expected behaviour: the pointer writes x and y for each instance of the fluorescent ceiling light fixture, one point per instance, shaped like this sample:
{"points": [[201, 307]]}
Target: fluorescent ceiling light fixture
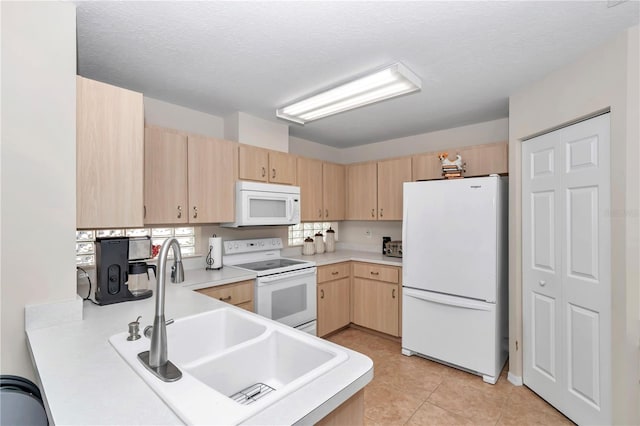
{"points": [[389, 82]]}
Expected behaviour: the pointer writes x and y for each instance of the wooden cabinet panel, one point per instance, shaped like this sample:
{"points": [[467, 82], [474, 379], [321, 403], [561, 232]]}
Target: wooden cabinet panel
{"points": [[376, 272], [212, 175], [165, 176], [426, 166], [361, 191], [239, 294], [483, 160], [333, 191], [333, 305], [351, 412], [253, 163], [282, 168], [391, 175], [332, 272], [109, 156], [263, 165], [376, 305], [309, 180]]}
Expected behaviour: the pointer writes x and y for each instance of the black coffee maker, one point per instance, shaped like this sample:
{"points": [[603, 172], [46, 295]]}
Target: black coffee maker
{"points": [[112, 272]]}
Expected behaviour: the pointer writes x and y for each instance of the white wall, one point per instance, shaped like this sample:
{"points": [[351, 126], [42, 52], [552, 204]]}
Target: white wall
{"points": [[244, 128], [606, 77], [164, 114], [307, 148], [473, 134], [38, 167], [368, 234]]}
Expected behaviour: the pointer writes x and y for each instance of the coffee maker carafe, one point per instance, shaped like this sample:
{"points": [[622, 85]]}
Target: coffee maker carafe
{"points": [[112, 269], [139, 281]]}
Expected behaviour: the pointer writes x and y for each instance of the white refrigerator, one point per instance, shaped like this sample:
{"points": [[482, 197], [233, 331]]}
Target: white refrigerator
{"points": [[454, 268]]}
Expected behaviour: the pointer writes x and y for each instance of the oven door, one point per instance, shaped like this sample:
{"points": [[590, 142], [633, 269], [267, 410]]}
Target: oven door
{"points": [[289, 297]]}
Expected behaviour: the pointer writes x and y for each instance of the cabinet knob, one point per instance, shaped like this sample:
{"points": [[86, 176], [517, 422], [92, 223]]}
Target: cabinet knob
{"points": [[373, 212], [326, 213], [322, 294], [264, 172], [381, 212], [375, 273], [393, 293], [144, 214], [542, 283], [225, 299], [320, 213], [335, 273], [179, 212], [195, 212], [273, 173]]}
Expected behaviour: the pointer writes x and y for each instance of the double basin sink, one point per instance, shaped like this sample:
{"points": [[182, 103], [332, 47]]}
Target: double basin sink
{"points": [[234, 364]]}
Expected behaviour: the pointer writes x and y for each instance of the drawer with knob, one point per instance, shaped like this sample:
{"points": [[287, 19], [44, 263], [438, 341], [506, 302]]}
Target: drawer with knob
{"points": [[239, 294], [390, 274], [332, 272]]}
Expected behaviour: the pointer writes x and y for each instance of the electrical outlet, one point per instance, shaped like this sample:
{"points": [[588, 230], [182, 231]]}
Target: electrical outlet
{"points": [[367, 233]]}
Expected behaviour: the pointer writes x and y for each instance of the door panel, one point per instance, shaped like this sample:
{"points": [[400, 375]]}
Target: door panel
{"points": [[573, 164], [543, 321]]}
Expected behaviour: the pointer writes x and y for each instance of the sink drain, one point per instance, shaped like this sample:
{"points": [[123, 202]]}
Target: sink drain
{"points": [[251, 394]]}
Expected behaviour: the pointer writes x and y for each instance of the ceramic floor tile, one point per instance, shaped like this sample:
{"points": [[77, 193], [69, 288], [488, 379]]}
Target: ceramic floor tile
{"points": [[416, 391], [429, 414], [389, 406]]}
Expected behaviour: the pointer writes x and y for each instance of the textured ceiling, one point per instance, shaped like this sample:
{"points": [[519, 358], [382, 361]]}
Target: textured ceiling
{"points": [[222, 57]]}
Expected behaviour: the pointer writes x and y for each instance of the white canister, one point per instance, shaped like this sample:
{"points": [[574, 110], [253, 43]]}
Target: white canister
{"points": [[308, 248], [330, 243], [319, 243]]}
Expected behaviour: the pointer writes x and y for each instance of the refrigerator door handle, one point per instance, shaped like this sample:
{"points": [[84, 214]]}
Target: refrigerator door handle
{"points": [[444, 299]]}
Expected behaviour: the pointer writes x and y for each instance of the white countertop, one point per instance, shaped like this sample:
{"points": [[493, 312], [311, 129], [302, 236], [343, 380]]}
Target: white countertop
{"points": [[84, 380], [347, 255]]}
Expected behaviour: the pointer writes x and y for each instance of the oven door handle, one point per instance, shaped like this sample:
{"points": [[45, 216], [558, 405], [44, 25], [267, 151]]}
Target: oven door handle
{"points": [[286, 275]]}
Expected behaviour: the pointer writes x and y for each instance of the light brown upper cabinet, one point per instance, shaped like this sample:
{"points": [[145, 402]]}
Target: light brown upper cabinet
{"points": [[109, 156], [391, 176], [374, 189], [321, 190], [212, 174], [362, 191], [479, 160], [483, 160], [426, 166], [264, 165], [165, 176]]}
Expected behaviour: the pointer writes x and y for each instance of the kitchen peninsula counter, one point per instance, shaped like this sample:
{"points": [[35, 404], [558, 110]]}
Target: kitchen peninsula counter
{"points": [[85, 381]]}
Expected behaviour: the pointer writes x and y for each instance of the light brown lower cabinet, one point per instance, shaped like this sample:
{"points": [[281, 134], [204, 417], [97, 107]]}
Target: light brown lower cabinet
{"points": [[333, 297], [351, 412], [375, 295], [239, 294]]}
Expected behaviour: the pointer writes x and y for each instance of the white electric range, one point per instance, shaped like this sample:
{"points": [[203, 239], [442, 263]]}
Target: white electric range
{"points": [[285, 289]]}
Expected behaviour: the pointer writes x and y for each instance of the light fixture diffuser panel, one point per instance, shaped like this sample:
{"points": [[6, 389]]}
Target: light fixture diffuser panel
{"points": [[389, 82]]}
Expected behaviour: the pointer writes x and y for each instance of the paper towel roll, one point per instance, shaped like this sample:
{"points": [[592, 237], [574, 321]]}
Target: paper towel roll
{"points": [[214, 258]]}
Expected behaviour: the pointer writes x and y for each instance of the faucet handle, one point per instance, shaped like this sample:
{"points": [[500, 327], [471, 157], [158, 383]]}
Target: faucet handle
{"points": [[177, 272], [149, 329]]}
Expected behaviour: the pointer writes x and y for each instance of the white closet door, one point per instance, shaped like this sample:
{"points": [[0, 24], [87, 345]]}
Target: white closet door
{"points": [[567, 269]]}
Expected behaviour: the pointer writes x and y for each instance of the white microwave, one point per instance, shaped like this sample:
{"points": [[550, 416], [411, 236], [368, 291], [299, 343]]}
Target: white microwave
{"points": [[259, 204]]}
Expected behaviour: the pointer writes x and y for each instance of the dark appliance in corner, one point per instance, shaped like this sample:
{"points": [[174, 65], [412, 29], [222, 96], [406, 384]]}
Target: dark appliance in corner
{"points": [[112, 272]]}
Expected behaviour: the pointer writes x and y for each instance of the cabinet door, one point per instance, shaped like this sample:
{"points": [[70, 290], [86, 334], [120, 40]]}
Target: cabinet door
{"points": [[333, 305], [376, 305], [253, 163], [109, 156], [362, 194], [483, 160], [212, 175], [426, 166], [333, 185], [391, 176], [165, 176], [310, 182], [282, 168]]}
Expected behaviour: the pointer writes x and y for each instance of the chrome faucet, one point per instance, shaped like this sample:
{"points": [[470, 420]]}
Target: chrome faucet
{"points": [[155, 359]]}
